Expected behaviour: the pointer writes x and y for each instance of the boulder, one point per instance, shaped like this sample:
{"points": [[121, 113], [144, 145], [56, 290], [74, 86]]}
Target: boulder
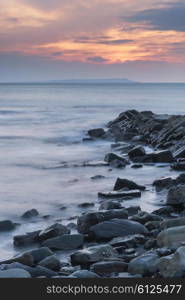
{"points": [[30, 214], [103, 268], [93, 254], [6, 225], [144, 217], [84, 274], [114, 228], [25, 259], [108, 205], [163, 183], [115, 160], [171, 237], [65, 242], [85, 204], [136, 152], [176, 195], [172, 223], [26, 239], [96, 133], [53, 231], [180, 153], [146, 264], [130, 241], [127, 184], [51, 262], [39, 254], [133, 210], [121, 194], [14, 273], [85, 221], [164, 156]]}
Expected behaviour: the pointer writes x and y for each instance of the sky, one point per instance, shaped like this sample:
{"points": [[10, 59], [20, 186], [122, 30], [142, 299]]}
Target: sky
{"points": [[143, 40]]}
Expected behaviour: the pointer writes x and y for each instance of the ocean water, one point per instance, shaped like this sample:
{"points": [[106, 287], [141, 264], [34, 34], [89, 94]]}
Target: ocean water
{"points": [[41, 148]]}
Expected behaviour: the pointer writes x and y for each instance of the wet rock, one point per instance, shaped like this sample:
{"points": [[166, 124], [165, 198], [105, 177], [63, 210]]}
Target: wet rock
{"points": [[84, 274], [164, 211], [103, 268], [86, 204], [107, 205], [51, 262], [14, 273], [130, 241], [144, 217], [164, 156], [30, 214], [136, 152], [115, 160], [136, 166], [179, 166], [96, 177], [172, 223], [25, 259], [133, 210], [128, 184], [39, 254], [120, 194], [71, 226], [26, 239], [163, 183], [180, 179], [150, 244], [53, 231], [65, 242], [180, 153], [85, 221], [176, 195], [96, 133], [7, 225], [145, 264], [173, 266], [163, 251], [171, 237], [116, 227], [152, 225], [93, 254]]}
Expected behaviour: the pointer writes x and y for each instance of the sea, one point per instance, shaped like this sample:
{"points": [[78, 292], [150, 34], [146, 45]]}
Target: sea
{"points": [[42, 152]]}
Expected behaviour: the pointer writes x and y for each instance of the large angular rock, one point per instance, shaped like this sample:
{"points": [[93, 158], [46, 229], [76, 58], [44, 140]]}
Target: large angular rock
{"points": [[103, 268], [85, 221], [39, 254], [96, 133], [108, 205], [171, 237], [176, 195], [26, 239], [114, 228], [115, 160], [163, 183], [164, 156], [30, 214], [145, 264], [65, 242], [122, 183], [14, 273], [93, 254], [6, 225], [51, 262], [180, 153], [173, 266], [53, 231], [136, 152]]}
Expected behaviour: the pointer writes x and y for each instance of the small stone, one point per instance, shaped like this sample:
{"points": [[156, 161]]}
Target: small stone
{"points": [[30, 214]]}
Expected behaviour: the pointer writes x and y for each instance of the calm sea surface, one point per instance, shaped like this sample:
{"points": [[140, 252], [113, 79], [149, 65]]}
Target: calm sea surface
{"points": [[41, 129]]}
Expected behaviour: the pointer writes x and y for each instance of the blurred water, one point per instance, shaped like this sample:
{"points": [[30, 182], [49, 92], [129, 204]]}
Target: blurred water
{"points": [[42, 126]]}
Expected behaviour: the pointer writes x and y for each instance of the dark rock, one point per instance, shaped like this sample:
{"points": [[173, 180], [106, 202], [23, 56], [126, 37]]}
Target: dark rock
{"points": [[145, 264], [163, 251], [116, 160], [151, 225], [96, 177], [128, 184], [103, 268], [53, 231], [96, 133], [65, 242], [164, 211], [136, 166], [116, 227], [136, 152], [164, 156], [179, 166], [107, 205], [144, 217], [30, 214], [130, 241], [120, 194], [150, 244], [176, 195], [25, 259], [172, 223], [85, 221], [171, 237], [39, 254], [6, 225], [180, 153], [26, 239], [93, 254], [51, 262], [133, 210], [180, 179], [85, 204], [163, 183]]}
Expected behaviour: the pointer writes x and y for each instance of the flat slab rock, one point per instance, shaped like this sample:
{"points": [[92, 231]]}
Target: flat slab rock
{"points": [[120, 194]]}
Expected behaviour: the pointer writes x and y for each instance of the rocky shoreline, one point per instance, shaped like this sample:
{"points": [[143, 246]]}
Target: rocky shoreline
{"points": [[117, 241]]}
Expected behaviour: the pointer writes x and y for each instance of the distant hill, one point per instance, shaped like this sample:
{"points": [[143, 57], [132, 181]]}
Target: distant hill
{"points": [[93, 81]]}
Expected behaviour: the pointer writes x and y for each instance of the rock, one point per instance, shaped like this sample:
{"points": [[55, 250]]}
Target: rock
{"points": [[176, 195], [163, 251], [53, 231], [51, 262], [120, 194], [144, 217], [30, 214], [128, 184], [39, 254], [145, 264], [85, 221], [172, 223], [180, 153], [103, 268], [115, 160], [71, 225], [85, 204], [180, 179], [136, 166], [26, 239], [14, 273], [93, 254], [25, 259], [151, 225], [116, 227], [133, 210], [164, 211], [136, 152], [164, 156], [179, 166], [150, 244], [96, 177], [163, 183], [130, 241], [65, 242], [173, 266], [171, 237], [96, 133], [108, 205], [6, 225], [84, 274]]}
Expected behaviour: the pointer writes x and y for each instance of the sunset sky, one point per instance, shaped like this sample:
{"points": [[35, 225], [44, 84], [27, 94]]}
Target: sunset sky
{"points": [[143, 40]]}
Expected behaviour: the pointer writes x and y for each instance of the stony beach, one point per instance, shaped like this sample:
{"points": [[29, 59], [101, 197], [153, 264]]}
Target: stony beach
{"points": [[116, 240]]}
